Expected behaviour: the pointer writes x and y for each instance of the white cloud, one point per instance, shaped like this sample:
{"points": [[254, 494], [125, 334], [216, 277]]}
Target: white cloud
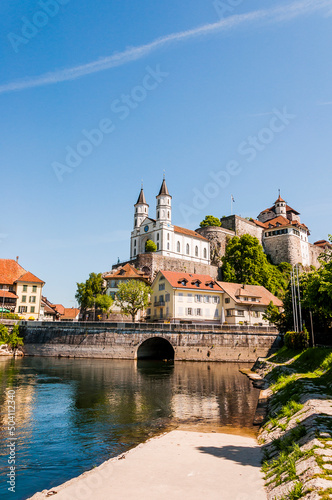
{"points": [[275, 15]]}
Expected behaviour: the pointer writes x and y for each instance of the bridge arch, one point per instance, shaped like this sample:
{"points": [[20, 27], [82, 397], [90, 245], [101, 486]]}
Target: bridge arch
{"points": [[157, 348]]}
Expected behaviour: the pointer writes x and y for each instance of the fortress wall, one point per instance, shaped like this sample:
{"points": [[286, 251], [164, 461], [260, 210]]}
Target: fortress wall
{"points": [[151, 263], [284, 248], [314, 253], [219, 238], [242, 226]]}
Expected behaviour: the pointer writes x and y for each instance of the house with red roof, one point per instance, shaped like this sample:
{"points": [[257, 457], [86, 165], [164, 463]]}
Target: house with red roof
{"points": [[20, 290], [198, 298]]}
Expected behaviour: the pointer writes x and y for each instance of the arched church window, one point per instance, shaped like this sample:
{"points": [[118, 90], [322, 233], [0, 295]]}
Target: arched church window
{"points": [[135, 222], [167, 246], [205, 253], [157, 236], [187, 249], [135, 251], [134, 243], [158, 214], [157, 246], [178, 246], [196, 251], [145, 209], [168, 215], [168, 236], [167, 200]]}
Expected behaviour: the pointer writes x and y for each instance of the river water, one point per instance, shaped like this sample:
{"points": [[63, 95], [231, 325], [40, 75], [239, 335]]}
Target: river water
{"points": [[73, 414]]}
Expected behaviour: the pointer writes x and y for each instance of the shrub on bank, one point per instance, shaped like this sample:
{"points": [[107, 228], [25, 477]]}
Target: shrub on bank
{"points": [[297, 340], [10, 316]]}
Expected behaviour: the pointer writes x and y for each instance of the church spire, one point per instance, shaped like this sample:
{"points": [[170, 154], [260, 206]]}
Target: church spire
{"points": [[164, 204], [141, 209]]}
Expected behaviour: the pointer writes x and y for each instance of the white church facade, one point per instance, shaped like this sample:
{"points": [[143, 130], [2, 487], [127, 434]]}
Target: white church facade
{"points": [[171, 241]]}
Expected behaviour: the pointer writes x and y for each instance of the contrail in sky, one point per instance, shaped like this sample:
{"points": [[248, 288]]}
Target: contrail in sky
{"points": [[274, 15]]}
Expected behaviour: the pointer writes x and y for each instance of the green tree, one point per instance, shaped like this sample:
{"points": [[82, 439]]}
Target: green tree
{"points": [[104, 303], [150, 246], [87, 292], [12, 339], [245, 262], [273, 315], [132, 297], [210, 220]]}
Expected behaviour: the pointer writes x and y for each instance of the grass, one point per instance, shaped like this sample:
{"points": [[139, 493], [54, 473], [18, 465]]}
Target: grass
{"points": [[288, 383]]}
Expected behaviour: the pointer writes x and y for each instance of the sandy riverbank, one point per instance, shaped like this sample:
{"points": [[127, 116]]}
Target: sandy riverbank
{"points": [[177, 465]]}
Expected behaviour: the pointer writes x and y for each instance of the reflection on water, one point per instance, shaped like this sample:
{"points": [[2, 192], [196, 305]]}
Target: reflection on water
{"points": [[72, 414]]}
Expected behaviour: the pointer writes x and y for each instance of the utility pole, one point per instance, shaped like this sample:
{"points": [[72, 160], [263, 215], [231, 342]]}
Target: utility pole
{"points": [[299, 294], [312, 330]]}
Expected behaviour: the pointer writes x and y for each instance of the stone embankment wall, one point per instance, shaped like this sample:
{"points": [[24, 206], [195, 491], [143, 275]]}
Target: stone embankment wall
{"points": [[122, 341]]}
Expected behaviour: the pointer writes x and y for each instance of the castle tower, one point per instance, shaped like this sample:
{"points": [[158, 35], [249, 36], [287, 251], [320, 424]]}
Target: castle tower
{"points": [[280, 207], [164, 204], [141, 209]]}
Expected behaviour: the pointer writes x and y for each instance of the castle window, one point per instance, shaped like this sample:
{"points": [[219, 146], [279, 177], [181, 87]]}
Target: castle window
{"points": [[158, 214], [196, 251], [168, 215], [135, 251], [157, 246], [178, 247], [145, 209], [135, 222], [205, 254], [187, 249], [157, 236], [134, 243]]}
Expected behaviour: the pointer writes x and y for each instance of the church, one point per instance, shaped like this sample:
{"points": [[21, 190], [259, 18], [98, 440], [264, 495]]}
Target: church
{"points": [[171, 241]]}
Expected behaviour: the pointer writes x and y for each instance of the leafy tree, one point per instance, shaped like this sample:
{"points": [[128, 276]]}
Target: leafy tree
{"points": [[87, 292], [12, 339], [150, 246], [104, 303], [210, 220], [246, 262], [132, 297], [273, 315]]}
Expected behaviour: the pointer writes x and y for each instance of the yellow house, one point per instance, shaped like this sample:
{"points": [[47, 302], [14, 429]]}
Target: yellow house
{"points": [[20, 290], [183, 297], [195, 298]]}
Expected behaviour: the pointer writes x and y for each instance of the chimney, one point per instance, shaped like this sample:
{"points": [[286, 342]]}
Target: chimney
{"points": [[17, 259]]}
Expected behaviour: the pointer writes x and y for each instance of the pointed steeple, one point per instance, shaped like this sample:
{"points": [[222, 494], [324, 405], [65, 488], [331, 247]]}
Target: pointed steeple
{"points": [[164, 188], [141, 198]]}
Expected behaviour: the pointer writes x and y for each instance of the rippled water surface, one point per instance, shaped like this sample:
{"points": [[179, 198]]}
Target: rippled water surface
{"points": [[73, 414]]}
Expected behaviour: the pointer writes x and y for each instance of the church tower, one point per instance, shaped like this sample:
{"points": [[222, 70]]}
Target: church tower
{"points": [[141, 209], [280, 207], [164, 204]]}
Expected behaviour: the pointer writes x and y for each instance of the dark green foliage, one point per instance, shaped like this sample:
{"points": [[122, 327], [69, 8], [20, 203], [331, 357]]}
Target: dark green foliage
{"points": [[245, 262], [210, 220], [297, 340], [12, 339], [150, 246], [132, 297]]}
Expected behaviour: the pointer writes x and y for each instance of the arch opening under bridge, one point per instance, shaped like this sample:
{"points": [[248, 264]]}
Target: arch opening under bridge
{"points": [[156, 348]]}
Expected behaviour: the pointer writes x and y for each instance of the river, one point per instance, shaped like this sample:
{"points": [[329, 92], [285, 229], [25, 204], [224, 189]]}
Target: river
{"points": [[73, 414]]}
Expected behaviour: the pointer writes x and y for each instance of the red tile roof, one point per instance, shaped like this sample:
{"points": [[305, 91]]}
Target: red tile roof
{"points": [[265, 297], [189, 232], [279, 221], [288, 209], [279, 200], [126, 272], [9, 295], [29, 278], [323, 244], [175, 280], [70, 313], [11, 272], [59, 308]]}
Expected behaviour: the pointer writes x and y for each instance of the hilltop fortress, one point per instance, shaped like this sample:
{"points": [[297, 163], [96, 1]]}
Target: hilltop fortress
{"points": [[278, 228]]}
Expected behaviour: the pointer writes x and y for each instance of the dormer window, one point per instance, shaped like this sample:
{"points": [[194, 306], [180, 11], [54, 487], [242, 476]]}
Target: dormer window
{"points": [[183, 282], [196, 283]]}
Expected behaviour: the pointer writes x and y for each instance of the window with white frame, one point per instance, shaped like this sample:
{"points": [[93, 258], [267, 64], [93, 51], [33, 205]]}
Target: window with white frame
{"points": [[187, 249], [216, 299], [229, 312], [167, 297], [216, 313], [180, 297], [180, 311], [198, 312], [32, 299], [207, 299], [178, 247], [189, 297], [198, 298], [240, 313], [189, 311], [196, 251]]}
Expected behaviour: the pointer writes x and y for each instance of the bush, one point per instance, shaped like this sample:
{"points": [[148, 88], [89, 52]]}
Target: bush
{"points": [[9, 316], [297, 340]]}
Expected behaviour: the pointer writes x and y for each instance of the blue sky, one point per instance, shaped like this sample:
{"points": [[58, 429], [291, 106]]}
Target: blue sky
{"points": [[229, 98]]}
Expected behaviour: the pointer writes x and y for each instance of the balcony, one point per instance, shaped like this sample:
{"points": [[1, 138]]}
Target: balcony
{"points": [[159, 303]]}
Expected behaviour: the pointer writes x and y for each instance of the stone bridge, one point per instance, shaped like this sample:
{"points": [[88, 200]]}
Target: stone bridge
{"points": [[149, 341]]}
